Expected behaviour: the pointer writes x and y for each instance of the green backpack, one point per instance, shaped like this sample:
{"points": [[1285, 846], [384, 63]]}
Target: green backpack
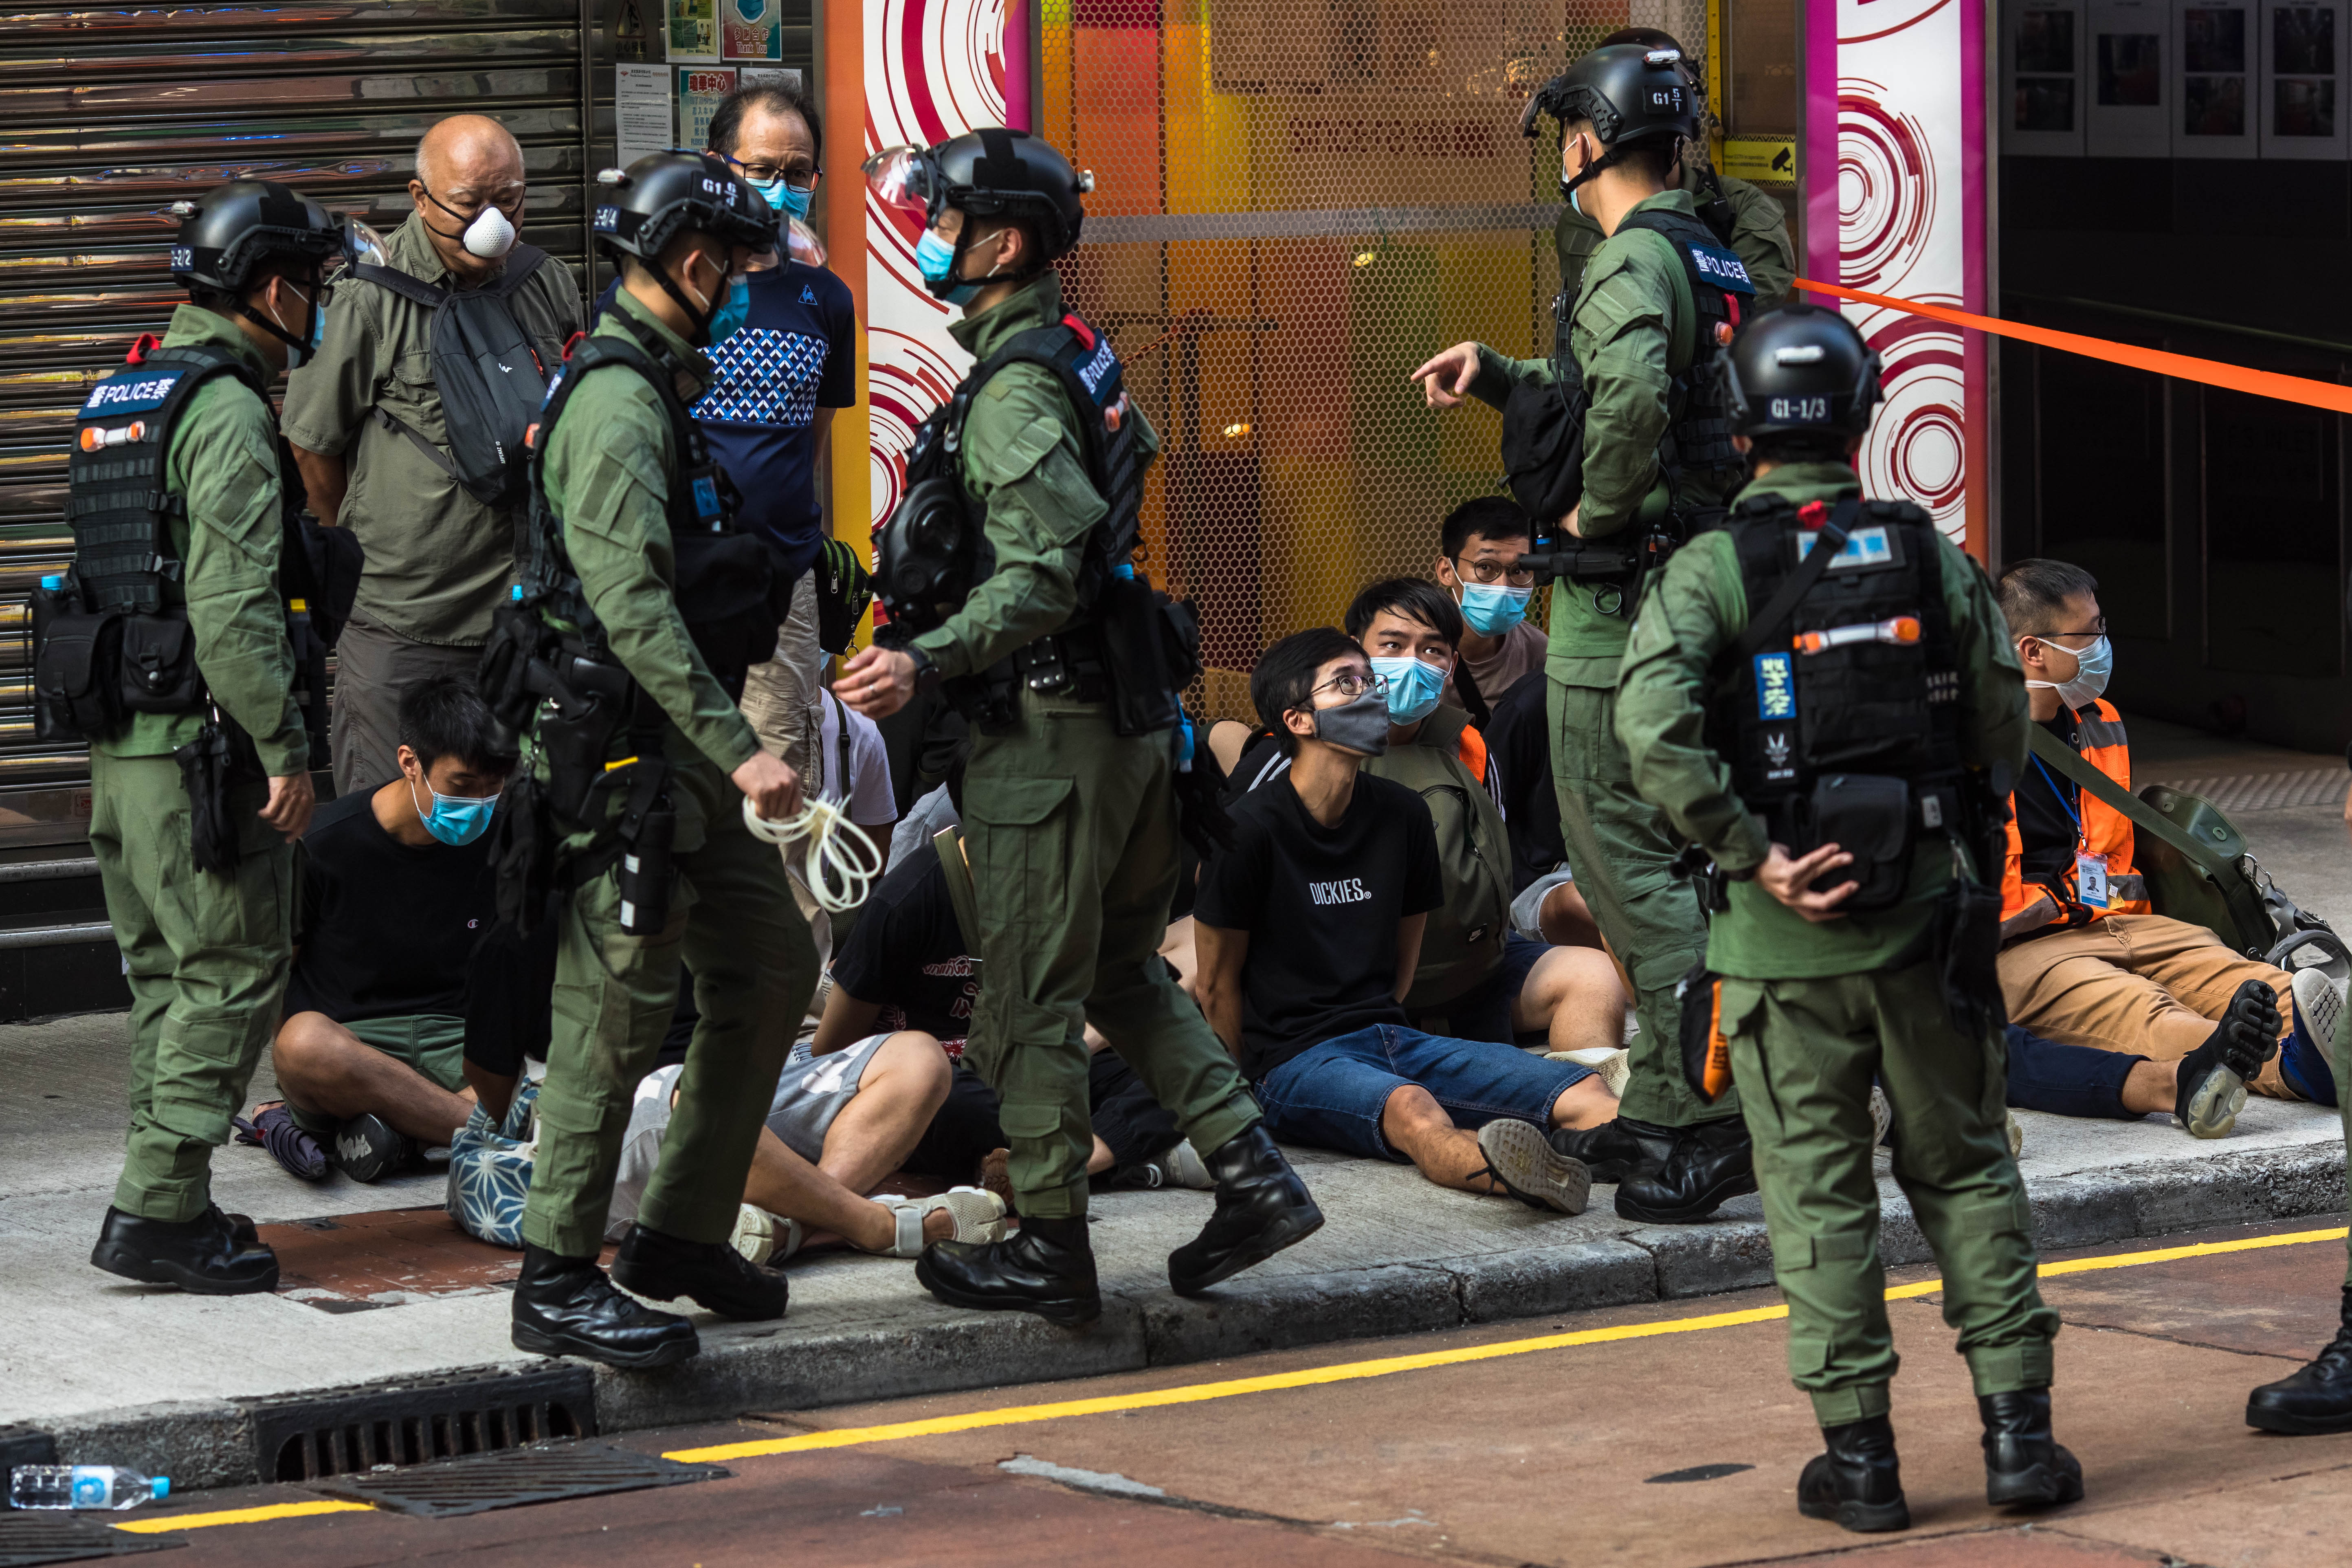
{"points": [[2197, 870], [1462, 942]]}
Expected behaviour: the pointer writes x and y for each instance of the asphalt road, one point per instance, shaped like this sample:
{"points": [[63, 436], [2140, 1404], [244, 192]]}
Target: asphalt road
{"points": [[1654, 1435]]}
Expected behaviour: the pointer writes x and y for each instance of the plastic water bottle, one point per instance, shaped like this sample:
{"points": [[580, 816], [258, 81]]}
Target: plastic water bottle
{"points": [[86, 1487]]}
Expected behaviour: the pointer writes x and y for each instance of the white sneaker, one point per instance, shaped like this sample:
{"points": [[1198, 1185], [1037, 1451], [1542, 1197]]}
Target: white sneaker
{"points": [[1882, 1117], [2320, 1005], [1180, 1166], [764, 1238], [1522, 1159], [2016, 1135], [1614, 1064]]}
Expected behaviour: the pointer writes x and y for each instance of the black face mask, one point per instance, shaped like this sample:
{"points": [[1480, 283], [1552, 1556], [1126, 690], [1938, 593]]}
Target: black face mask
{"points": [[1359, 724]]}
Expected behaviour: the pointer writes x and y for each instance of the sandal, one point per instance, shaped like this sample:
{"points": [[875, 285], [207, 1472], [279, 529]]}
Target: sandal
{"points": [[765, 1238], [979, 1216]]}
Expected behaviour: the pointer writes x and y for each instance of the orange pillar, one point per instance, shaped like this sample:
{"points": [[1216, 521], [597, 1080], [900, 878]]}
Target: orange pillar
{"points": [[844, 236]]}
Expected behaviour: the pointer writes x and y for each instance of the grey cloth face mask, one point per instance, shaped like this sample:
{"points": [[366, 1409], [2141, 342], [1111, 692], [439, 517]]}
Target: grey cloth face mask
{"points": [[1359, 724]]}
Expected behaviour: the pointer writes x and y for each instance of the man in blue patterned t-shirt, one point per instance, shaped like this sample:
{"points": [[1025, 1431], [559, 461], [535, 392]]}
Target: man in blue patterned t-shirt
{"points": [[774, 386]]}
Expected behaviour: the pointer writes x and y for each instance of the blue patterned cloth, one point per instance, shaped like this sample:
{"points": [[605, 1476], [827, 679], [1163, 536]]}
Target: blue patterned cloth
{"points": [[489, 1171]]}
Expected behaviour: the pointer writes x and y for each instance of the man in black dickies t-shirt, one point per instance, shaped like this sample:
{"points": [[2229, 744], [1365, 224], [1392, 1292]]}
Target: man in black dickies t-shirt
{"points": [[1310, 931]]}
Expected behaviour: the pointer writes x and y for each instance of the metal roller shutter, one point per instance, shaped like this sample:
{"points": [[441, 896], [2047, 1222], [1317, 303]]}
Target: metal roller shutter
{"points": [[106, 117]]}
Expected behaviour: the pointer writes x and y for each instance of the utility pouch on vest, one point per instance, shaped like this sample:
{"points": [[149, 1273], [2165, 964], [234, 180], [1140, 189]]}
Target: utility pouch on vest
{"points": [[576, 736], [77, 694], [1706, 1055], [1870, 816], [521, 845], [159, 663], [647, 872], [1151, 650]]}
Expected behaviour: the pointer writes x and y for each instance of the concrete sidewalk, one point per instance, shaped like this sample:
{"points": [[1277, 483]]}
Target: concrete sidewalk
{"points": [[125, 1373]]}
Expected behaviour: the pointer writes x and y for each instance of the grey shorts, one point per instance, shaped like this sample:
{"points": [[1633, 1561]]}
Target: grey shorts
{"points": [[809, 1095]]}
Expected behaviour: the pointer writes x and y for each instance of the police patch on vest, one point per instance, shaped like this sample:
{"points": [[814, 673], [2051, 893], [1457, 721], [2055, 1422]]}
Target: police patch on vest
{"points": [[1777, 750], [1776, 686], [132, 394], [1863, 547], [706, 496], [1721, 268]]}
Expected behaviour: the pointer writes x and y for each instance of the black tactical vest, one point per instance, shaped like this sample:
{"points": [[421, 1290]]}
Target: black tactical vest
{"points": [[1698, 443], [726, 590], [933, 551], [1841, 724], [108, 642]]}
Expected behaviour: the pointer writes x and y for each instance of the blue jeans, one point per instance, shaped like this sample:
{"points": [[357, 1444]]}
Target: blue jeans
{"points": [[1484, 1012], [1331, 1095], [2067, 1081]]}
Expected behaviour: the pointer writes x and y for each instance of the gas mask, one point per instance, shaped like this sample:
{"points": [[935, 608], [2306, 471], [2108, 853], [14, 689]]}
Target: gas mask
{"points": [[489, 235]]}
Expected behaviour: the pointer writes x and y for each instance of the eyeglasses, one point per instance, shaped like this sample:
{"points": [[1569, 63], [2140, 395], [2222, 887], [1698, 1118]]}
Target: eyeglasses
{"points": [[1352, 684], [468, 204], [795, 176], [1495, 571]]}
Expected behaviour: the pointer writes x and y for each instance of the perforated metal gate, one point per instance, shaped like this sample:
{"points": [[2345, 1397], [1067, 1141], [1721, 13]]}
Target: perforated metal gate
{"points": [[1295, 204], [107, 117]]}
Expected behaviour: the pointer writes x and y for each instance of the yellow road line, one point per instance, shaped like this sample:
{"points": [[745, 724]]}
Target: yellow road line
{"points": [[1350, 1371], [1310, 1377], [167, 1523]]}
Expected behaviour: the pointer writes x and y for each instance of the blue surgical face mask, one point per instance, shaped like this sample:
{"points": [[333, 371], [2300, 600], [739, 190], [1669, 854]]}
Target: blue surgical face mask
{"points": [[454, 819], [1493, 608], [2092, 665], [782, 197], [732, 313], [936, 258], [1415, 685]]}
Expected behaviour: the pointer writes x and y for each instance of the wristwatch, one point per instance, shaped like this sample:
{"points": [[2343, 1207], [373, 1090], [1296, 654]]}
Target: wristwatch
{"points": [[927, 674]]}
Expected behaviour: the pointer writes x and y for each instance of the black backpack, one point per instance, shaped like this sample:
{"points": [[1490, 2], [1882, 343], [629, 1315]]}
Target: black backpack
{"points": [[490, 378]]}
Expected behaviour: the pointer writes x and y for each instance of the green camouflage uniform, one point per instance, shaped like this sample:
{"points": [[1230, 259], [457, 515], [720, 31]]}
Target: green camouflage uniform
{"points": [[1070, 827], [1813, 1013], [608, 468], [205, 954], [1622, 337]]}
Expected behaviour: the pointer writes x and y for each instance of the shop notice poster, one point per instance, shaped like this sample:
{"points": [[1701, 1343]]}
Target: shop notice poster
{"points": [[641, 111], [694, 29], [750, 30], [699, 89]]}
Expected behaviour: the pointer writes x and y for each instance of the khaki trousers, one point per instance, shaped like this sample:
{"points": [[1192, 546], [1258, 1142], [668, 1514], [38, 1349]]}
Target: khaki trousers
{"points": [[780, 697], [373, 667], [2142, 984]]}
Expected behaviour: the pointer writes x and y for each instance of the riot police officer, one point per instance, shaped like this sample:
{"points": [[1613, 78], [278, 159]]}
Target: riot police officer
{"points": [[640, 611], [166, 646], [1040, 630], [1822, 697], [1744, 217], [1655, 458]]}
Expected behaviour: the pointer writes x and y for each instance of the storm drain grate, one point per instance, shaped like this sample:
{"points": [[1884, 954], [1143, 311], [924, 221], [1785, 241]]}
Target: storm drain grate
{"points": [[413, 1421], [27, 1538], [514, 1477]]}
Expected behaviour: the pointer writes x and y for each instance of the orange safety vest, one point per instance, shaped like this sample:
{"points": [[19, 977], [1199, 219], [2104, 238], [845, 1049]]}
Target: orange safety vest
{"points": [[2107, 832]]}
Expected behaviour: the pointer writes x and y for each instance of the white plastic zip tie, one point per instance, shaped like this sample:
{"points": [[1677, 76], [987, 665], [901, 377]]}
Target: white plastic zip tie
{"points": [[840, 854]]}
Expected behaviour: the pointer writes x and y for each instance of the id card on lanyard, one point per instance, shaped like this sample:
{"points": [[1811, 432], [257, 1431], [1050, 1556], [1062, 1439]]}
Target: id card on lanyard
{"points": [[2090, 869]]}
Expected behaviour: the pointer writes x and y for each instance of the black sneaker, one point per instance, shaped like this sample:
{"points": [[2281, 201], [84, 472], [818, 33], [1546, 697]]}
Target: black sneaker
{"points": [[1530, 1169], [2211, 1086], [366, 1149]]}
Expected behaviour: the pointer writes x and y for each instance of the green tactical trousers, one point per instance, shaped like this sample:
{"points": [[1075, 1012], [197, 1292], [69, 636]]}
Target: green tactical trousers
{"points": [[1804, 1053], [1621, 850], [1072, 834], [731, 921], [206, 956]]}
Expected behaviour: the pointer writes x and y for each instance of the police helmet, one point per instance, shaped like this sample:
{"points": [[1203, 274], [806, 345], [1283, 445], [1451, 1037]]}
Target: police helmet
{"points": [[1800, 367], [228, 236], [993, 171], [640, 209], [1630, 92]]}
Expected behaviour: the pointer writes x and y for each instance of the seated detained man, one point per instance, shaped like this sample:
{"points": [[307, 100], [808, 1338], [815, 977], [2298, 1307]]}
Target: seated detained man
{"points": [[396, 890], [2084, 961], [1477, 978], [1479, 546], [1310, 929]]}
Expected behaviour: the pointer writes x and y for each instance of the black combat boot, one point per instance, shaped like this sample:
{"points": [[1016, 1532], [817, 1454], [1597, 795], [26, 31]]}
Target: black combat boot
{"points": [[2024, 1468], [1262, 1207], [1047, 1266], [565, 1305], [1859, 1482], [1616, 1149], [207, 1256], [712, 1274], [1711, 1161], [2315, 1400]]}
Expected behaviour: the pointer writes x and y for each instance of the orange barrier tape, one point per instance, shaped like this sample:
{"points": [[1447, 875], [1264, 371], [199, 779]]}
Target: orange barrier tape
{"points": [[2211, 373]]}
